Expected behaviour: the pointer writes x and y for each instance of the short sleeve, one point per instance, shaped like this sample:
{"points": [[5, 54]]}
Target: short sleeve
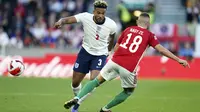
{"points": [[113, 28], [79, 17], [153, 41]]}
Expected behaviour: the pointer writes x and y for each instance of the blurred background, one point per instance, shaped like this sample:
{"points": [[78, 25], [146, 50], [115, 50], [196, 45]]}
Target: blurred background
{"points": [[27, 33], [26, 26]]}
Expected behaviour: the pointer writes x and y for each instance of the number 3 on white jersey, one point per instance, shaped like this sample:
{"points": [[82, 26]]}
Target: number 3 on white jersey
{"points": [[135, 43]]}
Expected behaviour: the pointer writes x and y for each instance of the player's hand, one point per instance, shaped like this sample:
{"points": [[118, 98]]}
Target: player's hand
{"points": [[183, 63], [58, 24]]}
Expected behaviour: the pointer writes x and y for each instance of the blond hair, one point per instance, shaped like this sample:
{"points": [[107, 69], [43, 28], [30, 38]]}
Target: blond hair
{"points": [[100, 4]]}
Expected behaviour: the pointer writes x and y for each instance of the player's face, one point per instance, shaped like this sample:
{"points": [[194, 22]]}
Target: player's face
{"points": [[99, 14]]}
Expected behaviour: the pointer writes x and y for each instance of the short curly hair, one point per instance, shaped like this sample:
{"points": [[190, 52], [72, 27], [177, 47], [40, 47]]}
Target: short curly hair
{"points": [[100, 4]]}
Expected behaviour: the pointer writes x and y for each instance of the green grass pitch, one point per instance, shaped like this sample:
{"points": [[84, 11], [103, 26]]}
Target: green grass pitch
{"points": [[48, 95]]}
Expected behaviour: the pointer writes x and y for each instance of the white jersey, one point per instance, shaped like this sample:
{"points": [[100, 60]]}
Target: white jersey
{"points": [[95, 40]]}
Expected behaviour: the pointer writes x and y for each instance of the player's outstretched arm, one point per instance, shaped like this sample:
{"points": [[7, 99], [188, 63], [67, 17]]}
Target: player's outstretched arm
{"points": [[66, 20], [167, 53]]}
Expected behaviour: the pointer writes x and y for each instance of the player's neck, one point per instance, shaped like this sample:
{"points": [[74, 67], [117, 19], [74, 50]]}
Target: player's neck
{"points": [[141, 26], [99, 23]]}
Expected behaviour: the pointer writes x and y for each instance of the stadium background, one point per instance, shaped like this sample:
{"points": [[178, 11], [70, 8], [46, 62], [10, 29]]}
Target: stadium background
{"points": [[26, 32]]}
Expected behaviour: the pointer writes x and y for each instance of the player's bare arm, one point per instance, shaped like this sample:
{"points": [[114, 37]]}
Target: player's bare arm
{"points": [[111, 42], [116, 47], [66, 20], [167, 53]]}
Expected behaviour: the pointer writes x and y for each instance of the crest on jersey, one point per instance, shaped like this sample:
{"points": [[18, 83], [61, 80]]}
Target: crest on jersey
{"points": [[76, 65]]}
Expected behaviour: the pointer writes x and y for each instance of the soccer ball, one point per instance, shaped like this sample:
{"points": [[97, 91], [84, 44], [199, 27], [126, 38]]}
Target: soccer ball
{"points": [[16, 67]]}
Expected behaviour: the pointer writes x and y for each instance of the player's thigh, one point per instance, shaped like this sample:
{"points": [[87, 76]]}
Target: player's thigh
{"points": [[98, 62], [128, 79], [109, 71], [94, 74], [82, 64]]}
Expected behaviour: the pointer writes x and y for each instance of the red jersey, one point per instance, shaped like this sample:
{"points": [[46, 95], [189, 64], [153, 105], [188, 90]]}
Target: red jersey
{"points": [[133, 42]]}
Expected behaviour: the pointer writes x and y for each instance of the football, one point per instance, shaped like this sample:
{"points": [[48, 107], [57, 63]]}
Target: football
{"points": [[16, 67]]}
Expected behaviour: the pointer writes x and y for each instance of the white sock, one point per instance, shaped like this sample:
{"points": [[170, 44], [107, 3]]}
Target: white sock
{"points": [[84, 97], [76, 90]]}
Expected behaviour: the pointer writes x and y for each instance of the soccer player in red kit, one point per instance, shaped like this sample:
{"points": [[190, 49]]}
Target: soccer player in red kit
{"points": [[129, 50]]}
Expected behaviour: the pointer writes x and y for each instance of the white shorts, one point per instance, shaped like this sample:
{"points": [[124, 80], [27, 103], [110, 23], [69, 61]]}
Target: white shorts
{"points": [[111, 70]]}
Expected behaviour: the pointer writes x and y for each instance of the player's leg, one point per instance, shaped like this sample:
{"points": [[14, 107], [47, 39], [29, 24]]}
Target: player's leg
{"points": [[93, 75], [84, 91], [81, 68], [129, 82], [90, 86], [121, 97], [76, 81], [107, 73], [97, 64]]}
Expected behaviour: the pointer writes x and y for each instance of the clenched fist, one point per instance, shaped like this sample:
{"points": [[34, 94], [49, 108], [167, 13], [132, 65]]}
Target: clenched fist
{"points": [[183, 63], [58, 24]]}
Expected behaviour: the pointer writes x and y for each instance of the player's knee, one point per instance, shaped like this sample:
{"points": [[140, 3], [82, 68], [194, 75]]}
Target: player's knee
{"points": [[75, 84], [92, 77], [129, 91], [77, 78], [94, 74]]}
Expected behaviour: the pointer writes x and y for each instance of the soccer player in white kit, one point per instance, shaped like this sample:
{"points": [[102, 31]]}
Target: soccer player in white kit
{"points": [[129, 50], [99, 32]]}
